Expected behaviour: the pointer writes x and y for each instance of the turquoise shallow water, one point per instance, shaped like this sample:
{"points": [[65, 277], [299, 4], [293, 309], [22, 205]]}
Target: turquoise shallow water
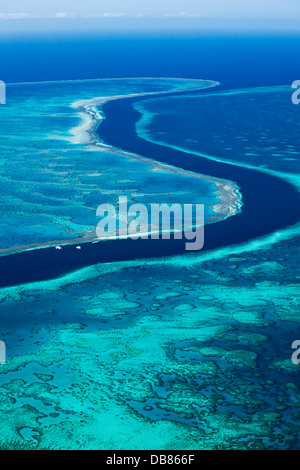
{"points": [[187, 352], [51, 186], [173, 354]]}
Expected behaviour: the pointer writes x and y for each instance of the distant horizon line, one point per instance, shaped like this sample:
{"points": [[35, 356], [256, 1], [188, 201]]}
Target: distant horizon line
{"points": [[120, 14], [147, 24]]}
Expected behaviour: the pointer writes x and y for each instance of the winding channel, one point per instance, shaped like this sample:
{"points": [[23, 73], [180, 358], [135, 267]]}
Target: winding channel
{"points": [[270, 204]]}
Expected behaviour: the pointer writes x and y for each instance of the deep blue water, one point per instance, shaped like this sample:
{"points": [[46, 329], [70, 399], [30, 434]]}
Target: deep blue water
{"points": [[270, 203], [238, 59]]}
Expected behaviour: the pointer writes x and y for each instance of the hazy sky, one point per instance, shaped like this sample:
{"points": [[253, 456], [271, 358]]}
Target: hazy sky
{"points": [[216, 8]]}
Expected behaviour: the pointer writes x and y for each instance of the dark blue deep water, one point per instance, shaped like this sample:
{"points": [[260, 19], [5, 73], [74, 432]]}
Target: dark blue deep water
{"points": [[100, 358], [237, 61]]}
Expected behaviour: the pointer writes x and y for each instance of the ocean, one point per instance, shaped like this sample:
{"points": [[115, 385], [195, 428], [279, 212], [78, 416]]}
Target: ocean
{"points": [[174, 350]]}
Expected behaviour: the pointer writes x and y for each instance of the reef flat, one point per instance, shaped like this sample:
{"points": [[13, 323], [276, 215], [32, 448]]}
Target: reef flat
{"points": [[187, 351]]}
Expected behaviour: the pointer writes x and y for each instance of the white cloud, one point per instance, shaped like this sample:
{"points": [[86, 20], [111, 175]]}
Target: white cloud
{"points": [[184, 14], [113, 15], [63, 14], [108, 14]]}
